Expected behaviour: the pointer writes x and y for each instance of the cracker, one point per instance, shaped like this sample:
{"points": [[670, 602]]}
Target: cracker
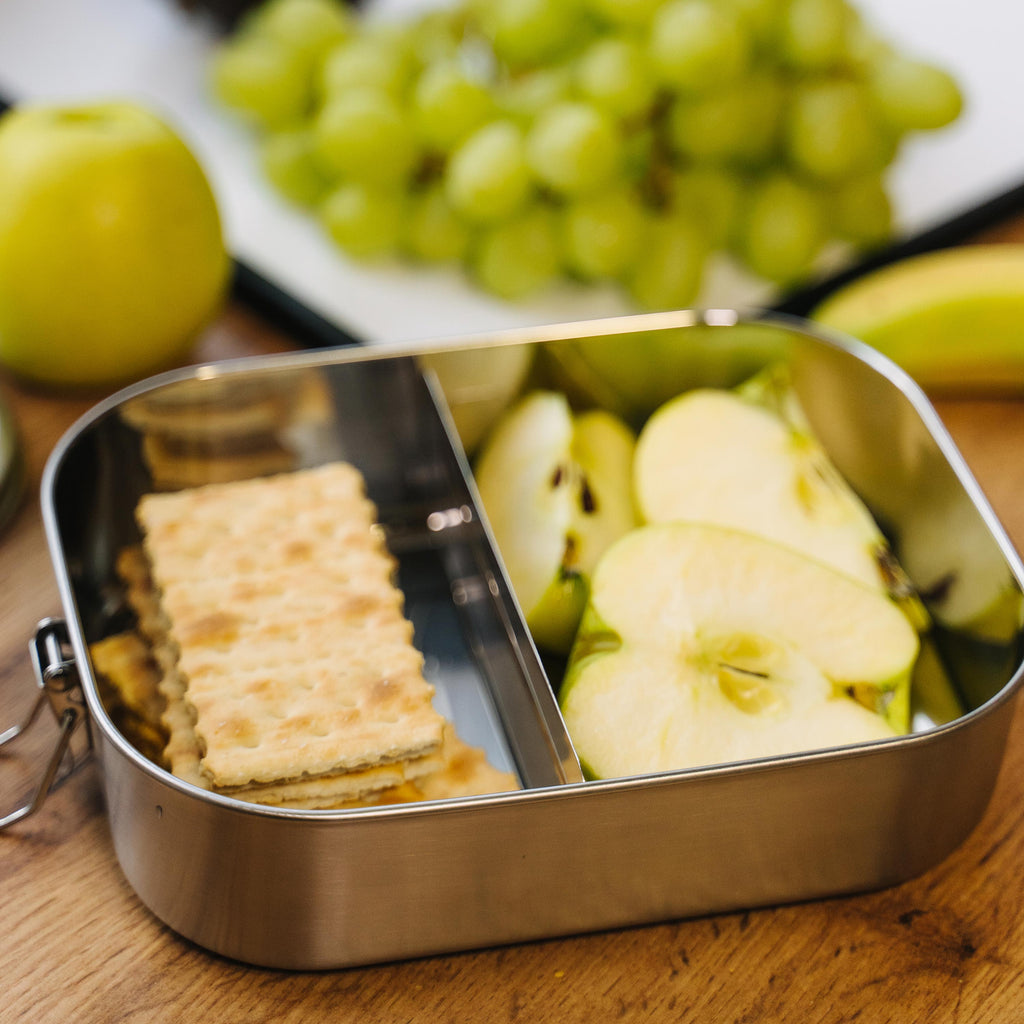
{"points": [[205, 408], [174, 466], [224, 429], [163, 730], [341, 689], [127, 678], [212, 528], [282, 655], [181, 753], [344, 789], [126, 662], [463, 771]]}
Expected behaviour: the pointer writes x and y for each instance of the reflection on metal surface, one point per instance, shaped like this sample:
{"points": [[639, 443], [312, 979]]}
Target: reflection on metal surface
{"points": [[212, 429]]}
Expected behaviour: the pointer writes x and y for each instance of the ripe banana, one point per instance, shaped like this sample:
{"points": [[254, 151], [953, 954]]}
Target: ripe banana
{"points": [[953, 319]]}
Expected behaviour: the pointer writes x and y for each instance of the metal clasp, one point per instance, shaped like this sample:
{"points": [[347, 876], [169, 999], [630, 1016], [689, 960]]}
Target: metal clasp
{"points": [[59, 685]]}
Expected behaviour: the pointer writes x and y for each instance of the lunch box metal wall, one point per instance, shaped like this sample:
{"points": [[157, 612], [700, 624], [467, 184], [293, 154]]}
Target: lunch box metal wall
{"points": [[324, 889]]}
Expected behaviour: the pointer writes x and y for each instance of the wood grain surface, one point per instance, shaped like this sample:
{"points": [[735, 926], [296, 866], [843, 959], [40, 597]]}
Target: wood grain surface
{"points": [[76, 945]]}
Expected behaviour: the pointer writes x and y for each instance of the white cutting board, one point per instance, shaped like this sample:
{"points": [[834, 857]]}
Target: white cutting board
{"points": [[150, 50]]}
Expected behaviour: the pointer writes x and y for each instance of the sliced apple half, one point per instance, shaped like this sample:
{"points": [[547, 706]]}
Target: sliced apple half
{"points": [[702, 645], [716, 456], [556, 489]]}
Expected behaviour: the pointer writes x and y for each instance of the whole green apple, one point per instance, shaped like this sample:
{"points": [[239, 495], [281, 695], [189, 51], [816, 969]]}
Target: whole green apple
{"points": [[112, 256]]}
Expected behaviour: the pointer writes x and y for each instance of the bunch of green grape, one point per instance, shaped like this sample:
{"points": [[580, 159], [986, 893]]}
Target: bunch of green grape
{"points": [[623, 141]]}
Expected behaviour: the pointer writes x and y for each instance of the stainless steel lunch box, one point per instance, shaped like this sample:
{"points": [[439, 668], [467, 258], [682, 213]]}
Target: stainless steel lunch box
{"points": [[326, 889]]}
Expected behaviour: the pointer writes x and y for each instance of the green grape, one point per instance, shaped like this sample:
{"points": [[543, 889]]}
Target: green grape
{"points": [[830, 132], [523, 97], [711, 127], [625, 13], [698, 46], [364, 135], [525, 33], [288, 160], [519, 257], [435, 35], [574, 149], [864, 45], [860, 212], [709, 197], [762, 18], [308, 27], [621, 140], [782, 228], [614, 74], [364, 220], [640, 152], [736, 124], [265, 83], [434, 233], [813, 34], [766, 99], [365, 61], [487, 178], [602, 234], [447, 106], [912, 95], [669, 270]]}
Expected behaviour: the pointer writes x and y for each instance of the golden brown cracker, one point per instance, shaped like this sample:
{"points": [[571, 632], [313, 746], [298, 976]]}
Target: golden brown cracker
{"points": [[339, 690], [177, 466], [127, 679]]}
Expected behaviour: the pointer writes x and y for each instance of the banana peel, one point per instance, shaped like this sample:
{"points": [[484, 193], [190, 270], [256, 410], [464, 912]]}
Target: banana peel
{"points": [[953, 318]]}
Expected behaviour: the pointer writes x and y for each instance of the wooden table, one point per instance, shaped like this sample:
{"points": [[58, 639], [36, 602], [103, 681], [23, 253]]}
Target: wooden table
{"points": [[76, 945]]}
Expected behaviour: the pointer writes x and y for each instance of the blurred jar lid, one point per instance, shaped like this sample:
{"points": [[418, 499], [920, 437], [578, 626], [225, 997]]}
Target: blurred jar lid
{"points": [[12, 465]]}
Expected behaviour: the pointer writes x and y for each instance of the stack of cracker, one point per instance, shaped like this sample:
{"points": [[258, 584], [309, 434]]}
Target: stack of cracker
{"points": [[281, 649]]}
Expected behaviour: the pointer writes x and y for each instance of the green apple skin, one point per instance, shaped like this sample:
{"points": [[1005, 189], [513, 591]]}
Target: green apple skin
{"points": [[554, 619], [111, 250], [936, 700], [703, 645]]}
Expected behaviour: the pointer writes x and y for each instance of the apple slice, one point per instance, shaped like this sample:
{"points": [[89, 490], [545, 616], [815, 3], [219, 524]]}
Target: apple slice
{"points": [[702, 645], [716, 456], [960, 568], [556, 489]]}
